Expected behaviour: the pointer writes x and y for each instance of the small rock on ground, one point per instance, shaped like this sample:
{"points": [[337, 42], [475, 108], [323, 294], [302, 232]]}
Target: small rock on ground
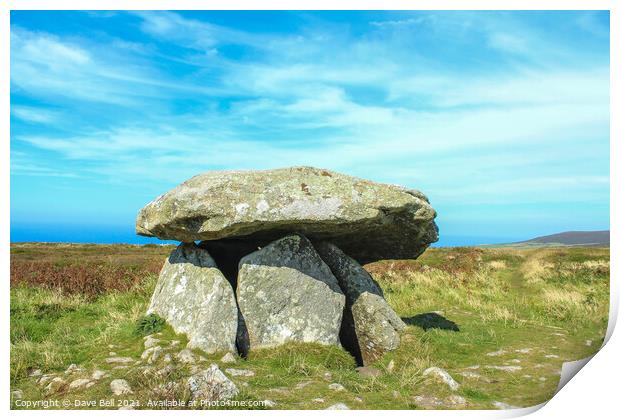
{"points": [[72, 369], [338, 406], [239, 372], [318, 400], [368, 371], [269, 403], [390, 366], [17, 394], [504, 368], [150, 342], [117, 359], [98, 374], [80, 383], [443, 376], [426, 401], [120, 387], [503, 405], [186, 356], [55, 385], [497, 353], [228, 358], [151, 354], [211, 384], [336, 387]]}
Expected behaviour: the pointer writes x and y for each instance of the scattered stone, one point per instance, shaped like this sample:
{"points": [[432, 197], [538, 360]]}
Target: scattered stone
{"points": [[478, 377], [302, 385], [432, 402], [358, 399], [150, 341], [474, 367], [504, 368], [36, 372], [80, 383], [588, 343], [338, 406], [120, 367], [167, 358], [524, 351], [73, 368], [166, 370], [120, 387], [336, 387], [370, 328], [497, 353], [269, 403], [542, 379], [443, 376], [152, 354], [368, 371], [395, 394], [318, 400], [112, 353], [239, 372], [455, 401], [186, 356], [515, 361], [98, 374], [503, 405], [44, 379], [427, 401], [212, 385], [194, 297], [174, 343], [552, 356], [118, 359], [327, 376], [228, 358], [17, 394], [56, 385], [390, 366], [287, 293], [367, 220]]}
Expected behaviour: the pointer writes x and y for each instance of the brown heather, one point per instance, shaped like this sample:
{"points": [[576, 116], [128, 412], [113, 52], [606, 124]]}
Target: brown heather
{"points": [[72, 269]]}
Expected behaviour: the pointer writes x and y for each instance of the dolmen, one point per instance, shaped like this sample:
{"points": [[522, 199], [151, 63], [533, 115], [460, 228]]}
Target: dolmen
{"points": [[275, 256]]}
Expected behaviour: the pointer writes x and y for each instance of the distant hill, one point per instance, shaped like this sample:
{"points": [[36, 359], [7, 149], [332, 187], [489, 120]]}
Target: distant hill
{"points": [[573, 238]]}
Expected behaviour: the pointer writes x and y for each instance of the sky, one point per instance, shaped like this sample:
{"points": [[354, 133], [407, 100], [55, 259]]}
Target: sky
{"points": [[500, 118]]}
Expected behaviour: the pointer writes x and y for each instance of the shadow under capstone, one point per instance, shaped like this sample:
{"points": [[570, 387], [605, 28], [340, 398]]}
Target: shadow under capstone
{"points": [[227, 254]]}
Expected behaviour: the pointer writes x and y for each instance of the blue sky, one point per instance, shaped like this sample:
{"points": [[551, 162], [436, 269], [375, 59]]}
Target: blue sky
{"points": [[501, 118]]}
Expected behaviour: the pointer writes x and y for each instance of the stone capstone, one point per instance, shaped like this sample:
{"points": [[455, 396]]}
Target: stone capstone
{"points": [[367, 220]]}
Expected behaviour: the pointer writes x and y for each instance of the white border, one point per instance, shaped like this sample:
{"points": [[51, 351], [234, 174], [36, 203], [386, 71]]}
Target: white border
{"points": [[594, 394]]}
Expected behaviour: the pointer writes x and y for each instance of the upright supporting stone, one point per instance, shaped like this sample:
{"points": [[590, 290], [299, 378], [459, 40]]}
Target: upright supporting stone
{"points": [[287, 293], [370, 326], [195, 298]]}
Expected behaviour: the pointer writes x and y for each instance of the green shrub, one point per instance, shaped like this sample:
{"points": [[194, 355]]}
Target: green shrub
{"points": [[149, 324]]}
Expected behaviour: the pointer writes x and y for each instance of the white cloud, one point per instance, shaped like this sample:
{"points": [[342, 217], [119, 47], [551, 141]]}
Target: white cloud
{"points": [[34, 114], [302, 101]]}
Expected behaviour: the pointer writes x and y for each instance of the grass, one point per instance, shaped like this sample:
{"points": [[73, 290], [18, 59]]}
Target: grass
{"points": [[470, 311]]}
